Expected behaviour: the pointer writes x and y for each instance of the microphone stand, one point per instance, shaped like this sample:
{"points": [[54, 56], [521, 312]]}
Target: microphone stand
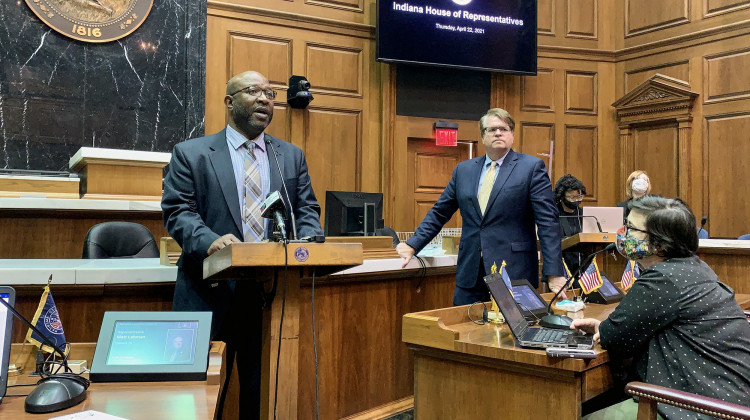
{"points": [[580, 216], [286, 192], [562, 322]]}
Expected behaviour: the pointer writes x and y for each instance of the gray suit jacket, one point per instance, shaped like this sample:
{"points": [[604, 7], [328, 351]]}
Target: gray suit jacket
{"points": [[200, 204]]}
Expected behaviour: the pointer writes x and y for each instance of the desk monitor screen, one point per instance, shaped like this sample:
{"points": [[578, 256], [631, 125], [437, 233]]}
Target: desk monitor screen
{"points": [[351, 213], [608, 289], [152, 346], [6, 319], [532, 305]]}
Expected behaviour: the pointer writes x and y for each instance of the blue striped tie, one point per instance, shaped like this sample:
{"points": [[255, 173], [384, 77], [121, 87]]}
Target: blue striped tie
{"points": [[252, 222]]}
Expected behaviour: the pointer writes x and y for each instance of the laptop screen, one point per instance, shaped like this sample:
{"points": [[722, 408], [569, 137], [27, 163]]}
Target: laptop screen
{"points": [[513, 315], [610, 219]]}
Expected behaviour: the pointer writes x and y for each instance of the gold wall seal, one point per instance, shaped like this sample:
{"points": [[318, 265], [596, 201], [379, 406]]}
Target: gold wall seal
{"points": [[92, 20]]}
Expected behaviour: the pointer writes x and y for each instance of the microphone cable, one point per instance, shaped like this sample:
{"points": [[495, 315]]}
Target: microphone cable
{"points": [[315, 350], [281, 324], [468, 313], [422, 272]]}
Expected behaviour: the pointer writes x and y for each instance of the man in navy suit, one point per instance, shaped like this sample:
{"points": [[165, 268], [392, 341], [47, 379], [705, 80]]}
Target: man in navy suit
{"points": [[501, 218], [204, 194]]}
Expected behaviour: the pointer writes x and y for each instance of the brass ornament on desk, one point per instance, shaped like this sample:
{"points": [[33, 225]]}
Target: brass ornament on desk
{"points": [[92, 20]]}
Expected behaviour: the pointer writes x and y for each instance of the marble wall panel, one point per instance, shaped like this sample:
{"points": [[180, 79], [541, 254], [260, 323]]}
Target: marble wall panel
{"points": [[143, 92]]}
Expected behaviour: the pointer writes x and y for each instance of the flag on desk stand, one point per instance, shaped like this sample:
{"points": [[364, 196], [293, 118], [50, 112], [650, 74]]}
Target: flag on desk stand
{"points": [[506, 277], [47, 320], [506, 280], [630, 275], [591, 279], [567, 270], [494, 308]]}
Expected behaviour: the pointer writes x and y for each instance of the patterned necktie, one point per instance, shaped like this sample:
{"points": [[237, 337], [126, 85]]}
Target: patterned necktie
{"points": [[487, 183], [251, 219]]}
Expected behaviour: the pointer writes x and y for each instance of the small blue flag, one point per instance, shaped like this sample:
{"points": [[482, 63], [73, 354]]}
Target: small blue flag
{"points": [[47, 320], [505, 276]]}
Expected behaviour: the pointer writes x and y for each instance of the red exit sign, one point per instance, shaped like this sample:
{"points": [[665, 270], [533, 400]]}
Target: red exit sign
{"points": [[446, 133]]}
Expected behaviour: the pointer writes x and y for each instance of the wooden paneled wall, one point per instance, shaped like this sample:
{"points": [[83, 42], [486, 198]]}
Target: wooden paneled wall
{"points": [[705, 44], [339, 130], [590, 54]]}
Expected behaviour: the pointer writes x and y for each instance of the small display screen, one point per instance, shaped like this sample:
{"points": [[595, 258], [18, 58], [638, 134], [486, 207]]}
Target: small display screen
{"points": [[153, 343], [607, 288], [527, 298]]}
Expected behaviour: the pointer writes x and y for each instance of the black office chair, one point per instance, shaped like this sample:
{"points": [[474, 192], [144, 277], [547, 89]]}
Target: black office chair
{"points": [[119, 240], [388, 231]]}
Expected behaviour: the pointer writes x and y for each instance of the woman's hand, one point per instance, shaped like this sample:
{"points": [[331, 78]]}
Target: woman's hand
{"points": [[587, 325]]}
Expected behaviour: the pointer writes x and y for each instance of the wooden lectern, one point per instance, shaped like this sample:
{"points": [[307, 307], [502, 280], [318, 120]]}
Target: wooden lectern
{"points": [[262, 262], [587, 243]]}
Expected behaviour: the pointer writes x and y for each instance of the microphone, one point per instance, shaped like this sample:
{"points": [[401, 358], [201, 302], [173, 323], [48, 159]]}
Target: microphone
{"points": [[67, 389], [704, 219], [272, 208], [598, 225], [286, 192], [562, 322]]}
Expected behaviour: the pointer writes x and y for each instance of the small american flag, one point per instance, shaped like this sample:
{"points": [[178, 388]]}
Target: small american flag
{"points": [[591, 279], [630, 275]]}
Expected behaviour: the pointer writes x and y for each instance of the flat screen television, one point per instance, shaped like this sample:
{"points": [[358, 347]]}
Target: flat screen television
{"points": [[492, 35], [352, 213]]}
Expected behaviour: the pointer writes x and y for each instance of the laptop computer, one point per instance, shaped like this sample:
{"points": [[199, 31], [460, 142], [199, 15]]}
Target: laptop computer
{"points": [[532, 305], [6, 319], [534, 337], [610, 219]]}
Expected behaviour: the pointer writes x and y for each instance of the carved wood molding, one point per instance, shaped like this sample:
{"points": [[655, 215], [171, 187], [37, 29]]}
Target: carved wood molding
{"points": [[660, 98]]}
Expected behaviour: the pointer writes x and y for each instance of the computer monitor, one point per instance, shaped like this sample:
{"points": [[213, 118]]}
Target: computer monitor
{"points": [[351, 213], [6, 329]]}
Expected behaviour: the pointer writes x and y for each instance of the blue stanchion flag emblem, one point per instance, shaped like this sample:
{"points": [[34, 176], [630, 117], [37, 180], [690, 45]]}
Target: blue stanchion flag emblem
{"points": [[47, 320]]}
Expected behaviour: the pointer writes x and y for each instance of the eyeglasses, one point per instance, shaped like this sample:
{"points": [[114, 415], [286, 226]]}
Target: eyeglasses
{"points": [[255, 92], [629, 228], [574, 197], [492, 130]]}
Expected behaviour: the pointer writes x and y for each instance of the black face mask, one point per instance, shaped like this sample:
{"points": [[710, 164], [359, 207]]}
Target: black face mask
{"points": [[571, 204]]}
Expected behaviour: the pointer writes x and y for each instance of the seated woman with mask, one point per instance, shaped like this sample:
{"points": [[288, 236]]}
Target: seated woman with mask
{"points": [[569, 192], [679, 323]]}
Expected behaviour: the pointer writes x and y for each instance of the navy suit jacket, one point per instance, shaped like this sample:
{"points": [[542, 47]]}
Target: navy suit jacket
{"points": [[521, 199], [200, 204]]}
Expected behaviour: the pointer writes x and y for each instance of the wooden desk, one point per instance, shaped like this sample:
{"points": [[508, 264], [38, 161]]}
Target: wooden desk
{"points": [[132, 400], [730, 259], [351, 345], [468, 371]]}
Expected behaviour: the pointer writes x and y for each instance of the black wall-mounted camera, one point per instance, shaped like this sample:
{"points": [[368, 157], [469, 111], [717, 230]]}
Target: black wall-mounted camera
{"points": [[298, 95]]}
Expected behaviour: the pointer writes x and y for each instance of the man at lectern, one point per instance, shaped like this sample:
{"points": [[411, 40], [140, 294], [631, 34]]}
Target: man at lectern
{"points": [[212, 196], [505, 199]]}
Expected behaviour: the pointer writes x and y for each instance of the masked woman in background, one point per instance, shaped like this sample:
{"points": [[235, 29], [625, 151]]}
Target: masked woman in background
{"points": [[637, 185]]}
